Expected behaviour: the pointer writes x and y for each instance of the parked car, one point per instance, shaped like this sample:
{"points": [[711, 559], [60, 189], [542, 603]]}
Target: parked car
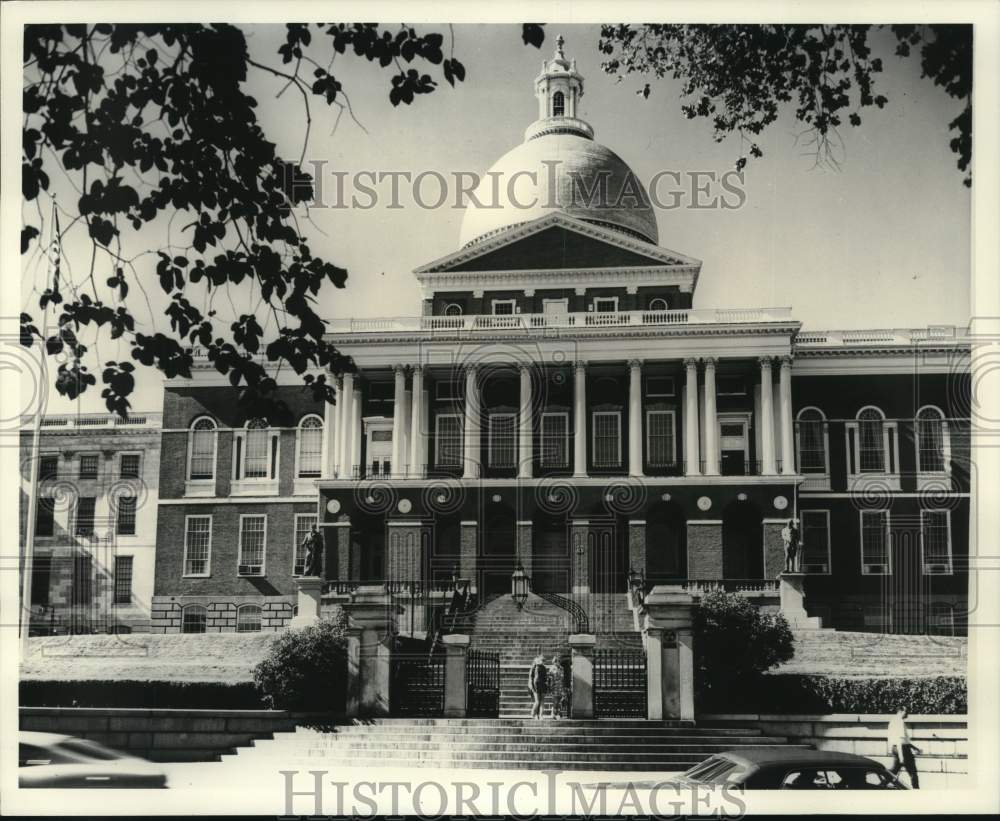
{"points": [[776, 768], [53, 760]]}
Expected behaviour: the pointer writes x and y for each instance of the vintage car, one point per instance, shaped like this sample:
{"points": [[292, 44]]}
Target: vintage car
{"points": [[776, 768], [51, 760]]}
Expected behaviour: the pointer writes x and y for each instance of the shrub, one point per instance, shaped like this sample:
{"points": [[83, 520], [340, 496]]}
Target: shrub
{"points": [[306, 669], [735, 642], [930, 695], [193, 695]]}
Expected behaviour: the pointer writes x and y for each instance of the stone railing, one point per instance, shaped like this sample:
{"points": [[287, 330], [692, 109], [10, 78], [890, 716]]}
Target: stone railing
{"points": [[880, 336], [578, 320], [762, 586], [90, 421]]}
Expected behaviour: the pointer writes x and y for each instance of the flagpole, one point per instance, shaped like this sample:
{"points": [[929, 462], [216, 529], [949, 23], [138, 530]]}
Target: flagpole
{"points": [[36, 439]]}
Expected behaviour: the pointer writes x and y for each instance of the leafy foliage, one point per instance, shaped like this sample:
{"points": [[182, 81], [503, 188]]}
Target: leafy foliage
{"points": [[305, 669], [735, 642], [741, 76], [152, 124]]}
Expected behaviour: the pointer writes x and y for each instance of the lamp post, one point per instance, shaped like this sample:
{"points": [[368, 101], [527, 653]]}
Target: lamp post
{"points": [[519, 586]]}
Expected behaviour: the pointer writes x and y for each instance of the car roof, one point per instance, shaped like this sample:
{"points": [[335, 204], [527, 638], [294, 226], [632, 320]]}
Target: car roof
{"points": [[41, 739], [771, 755]]}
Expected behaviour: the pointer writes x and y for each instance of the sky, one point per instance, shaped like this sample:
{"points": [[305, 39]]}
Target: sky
{"points": [[882, 242]]}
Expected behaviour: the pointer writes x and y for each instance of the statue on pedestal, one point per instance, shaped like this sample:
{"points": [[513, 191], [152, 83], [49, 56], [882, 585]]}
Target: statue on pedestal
{"points": [[790, 536], [313, 544]]}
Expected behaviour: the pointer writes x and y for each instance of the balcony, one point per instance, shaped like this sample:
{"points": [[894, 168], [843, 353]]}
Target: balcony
{"points": [[470, 323]]}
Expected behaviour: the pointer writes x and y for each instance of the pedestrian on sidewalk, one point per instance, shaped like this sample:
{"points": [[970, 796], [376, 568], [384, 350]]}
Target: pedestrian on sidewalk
{"points": [[903, 748], [538, 685]]}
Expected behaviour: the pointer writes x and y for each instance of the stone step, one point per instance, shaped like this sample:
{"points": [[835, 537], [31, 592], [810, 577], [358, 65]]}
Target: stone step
{"points": [[657, 769], [621, 752], [596, 758], [492, 728]]}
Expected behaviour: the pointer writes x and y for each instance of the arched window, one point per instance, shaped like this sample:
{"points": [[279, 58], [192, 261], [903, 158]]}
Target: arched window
{"points": [[248, 619], [658, 304], [932, 440], [310, 447], [871, 440], [453, 310], [201, 451], [255, 452], [558, 104], [195, 617], [811, 432]]}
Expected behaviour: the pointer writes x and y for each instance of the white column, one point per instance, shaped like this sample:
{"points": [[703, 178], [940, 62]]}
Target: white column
{"points": [[525, 455], [766, 417], [344, 428], [398, 409], [331, 429], [635, 418], [787, 429], [355, 432], [580, 418], [472, 414], [691, 420], [404, 451], [711, 422], [417, 423]]}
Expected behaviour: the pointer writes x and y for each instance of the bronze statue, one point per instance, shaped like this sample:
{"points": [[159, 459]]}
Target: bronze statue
{"points": [[790, 536], [313, 544]]}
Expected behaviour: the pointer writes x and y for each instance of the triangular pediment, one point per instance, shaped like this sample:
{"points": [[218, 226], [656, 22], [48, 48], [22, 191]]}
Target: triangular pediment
{"points": [[557, 242]]}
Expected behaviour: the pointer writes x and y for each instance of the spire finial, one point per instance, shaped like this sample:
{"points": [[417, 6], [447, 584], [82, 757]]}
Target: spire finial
{"points": [[559, 46]]}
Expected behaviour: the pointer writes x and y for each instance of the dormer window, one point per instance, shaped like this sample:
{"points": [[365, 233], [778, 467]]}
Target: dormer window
{"points": [[658, 304], [503, 307], [558, 104], [454, 309]]}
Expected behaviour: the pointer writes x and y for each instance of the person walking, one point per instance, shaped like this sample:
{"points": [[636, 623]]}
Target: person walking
{"points": [[902, 748], [538, 685]]}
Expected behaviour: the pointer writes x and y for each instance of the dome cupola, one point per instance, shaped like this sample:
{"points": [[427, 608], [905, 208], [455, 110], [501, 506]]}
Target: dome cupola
{"points": [[558, 88]]}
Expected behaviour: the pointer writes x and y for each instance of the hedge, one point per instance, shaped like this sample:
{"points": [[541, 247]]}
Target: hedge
{"points": [[796, 693], [130, 693]]}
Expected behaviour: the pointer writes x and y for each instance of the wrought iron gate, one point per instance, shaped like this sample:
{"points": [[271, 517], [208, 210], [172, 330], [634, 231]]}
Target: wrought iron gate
{"points": [[619, 684], [417, 685], [482, 676]]}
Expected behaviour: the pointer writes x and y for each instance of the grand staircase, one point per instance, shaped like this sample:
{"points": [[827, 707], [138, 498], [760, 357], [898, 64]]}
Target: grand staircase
{"points": [[504, 744]]}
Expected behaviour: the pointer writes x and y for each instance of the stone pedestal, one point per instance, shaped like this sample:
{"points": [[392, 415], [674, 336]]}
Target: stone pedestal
{"points": [[669, 653], [456, 648], [373, 620], [310, 589], [582, 675], [792, 590]]}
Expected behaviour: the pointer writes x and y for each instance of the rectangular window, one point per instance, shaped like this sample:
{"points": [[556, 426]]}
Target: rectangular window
{"points": [[45, 520], [85, 516], [607, 439], [727, 385], [448, 439], [126, 516], [935, 536], [503, 307], [555, 439], [128, 466], [660, 386], [872, 446], [123, 579], [875, 542], [88, 465], [812, 446], [303, 524], [931, 451], [660, 438], [253, 531], [310, 448], [197, 545], [502, 444], [815, 541], [82, 591], [606, 304], [48, 466], [257, 460], [41, 578]]}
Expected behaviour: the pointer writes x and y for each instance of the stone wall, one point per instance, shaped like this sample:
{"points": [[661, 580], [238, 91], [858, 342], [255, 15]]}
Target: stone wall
{"points": [[221, 616]]}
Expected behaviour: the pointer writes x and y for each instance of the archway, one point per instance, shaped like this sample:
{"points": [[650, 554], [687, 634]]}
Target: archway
{"points": [[666, 543], [742, 542]]}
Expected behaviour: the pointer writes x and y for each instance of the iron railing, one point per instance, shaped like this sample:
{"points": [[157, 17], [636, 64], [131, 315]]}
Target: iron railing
{"points": [[581, 621], [619, 684], [482, 676], [417, 684]]}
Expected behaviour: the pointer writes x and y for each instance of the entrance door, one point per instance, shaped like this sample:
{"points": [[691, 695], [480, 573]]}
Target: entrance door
{"points": [[733, 447], [499, 550], [550, 559], [379, 449], [608, 564]]}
